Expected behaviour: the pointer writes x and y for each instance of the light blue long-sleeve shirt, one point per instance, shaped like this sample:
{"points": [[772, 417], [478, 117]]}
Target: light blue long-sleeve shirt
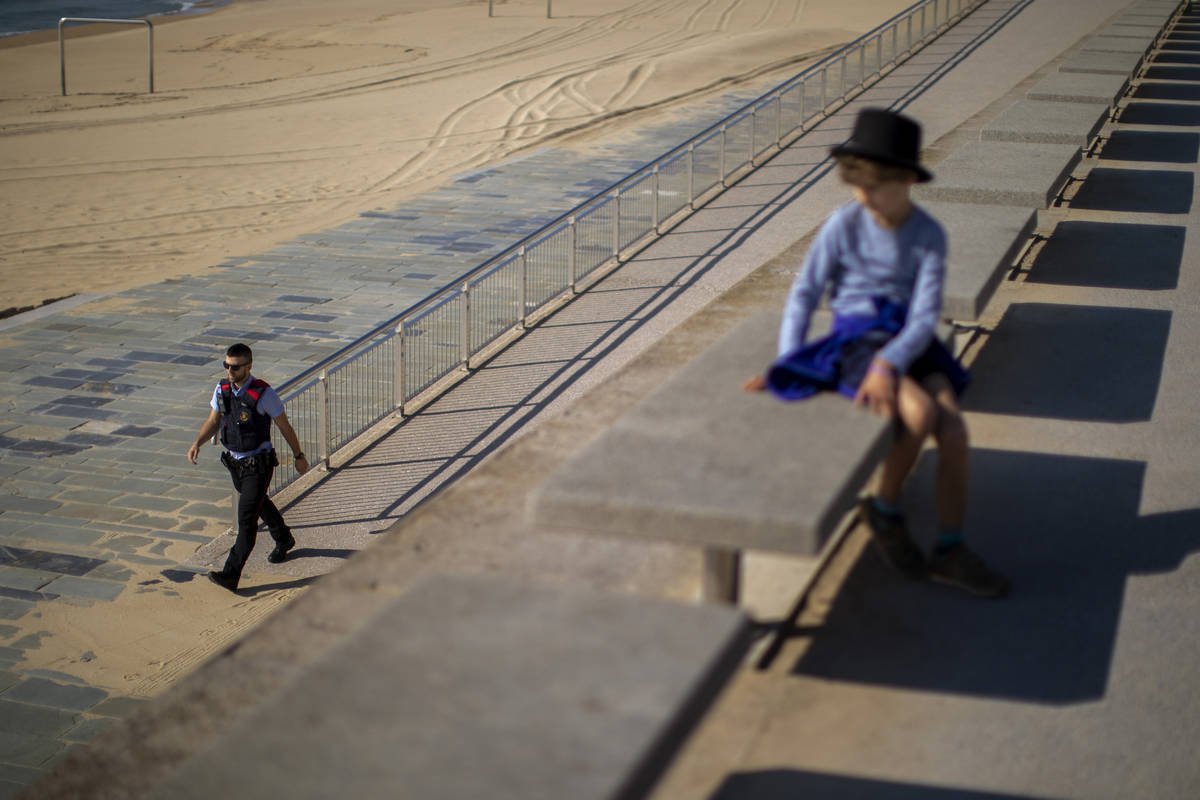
{"points": [[863, 260]]}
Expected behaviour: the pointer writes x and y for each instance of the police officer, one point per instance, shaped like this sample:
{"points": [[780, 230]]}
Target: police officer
{"points": [[242, 409]]}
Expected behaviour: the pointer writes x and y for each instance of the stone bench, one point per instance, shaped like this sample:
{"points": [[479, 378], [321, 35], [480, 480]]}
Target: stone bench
{"points": [[1102, 43], [983, 246], [1125, 64], [702, 462], [1002, 173], [484, 688], [1080, 87], [1045, 122]]}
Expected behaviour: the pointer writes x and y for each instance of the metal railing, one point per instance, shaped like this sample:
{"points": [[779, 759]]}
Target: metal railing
{"points": [[417, 354], [62, 57]]}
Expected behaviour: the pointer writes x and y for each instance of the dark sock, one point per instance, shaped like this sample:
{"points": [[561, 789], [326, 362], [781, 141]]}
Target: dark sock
{"points": [[948, 539], [885, 508]]}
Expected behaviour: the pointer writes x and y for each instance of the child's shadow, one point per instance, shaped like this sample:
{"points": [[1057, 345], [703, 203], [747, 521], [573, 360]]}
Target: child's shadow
{"points": [[1067, 531]]}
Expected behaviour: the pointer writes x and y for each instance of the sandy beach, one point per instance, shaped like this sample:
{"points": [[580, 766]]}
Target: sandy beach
{"points": [[270, 118]]}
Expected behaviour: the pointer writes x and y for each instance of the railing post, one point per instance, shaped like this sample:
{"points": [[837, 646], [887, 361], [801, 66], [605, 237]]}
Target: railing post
{"points": [[722, 161], [862, 65], [824, 89], [398, 368], [325, 429], [895, 43], [753, 134], [523, 276], [465, 332], [803, 101], [654, 214], [909, 45], [489, 8], [573, 242], [616, 236], [879, 54], [692, 176], [779, 120]]}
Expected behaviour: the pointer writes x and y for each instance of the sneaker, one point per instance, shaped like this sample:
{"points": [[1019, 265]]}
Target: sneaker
{"points": [[281, 549], [893, 542], [224, 581], [961, 568]]}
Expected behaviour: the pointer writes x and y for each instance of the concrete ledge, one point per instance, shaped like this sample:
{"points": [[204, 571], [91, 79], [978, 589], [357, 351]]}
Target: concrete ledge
{"points": [[1124, 64], [1001, 173], [1116, 44], [1080, 87], [702, 462], [1147, 34], [1041, 122], [478, 687], [983, 246]]}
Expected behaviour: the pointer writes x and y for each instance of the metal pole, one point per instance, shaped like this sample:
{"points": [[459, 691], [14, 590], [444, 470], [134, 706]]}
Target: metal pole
{"points": [[753, 133], [722, 162], [692, 176], [524, 278], [398, 368], [616, 240], [654, 214], [547, 9], [489, 8], [326, 433], [779, 120], [574, 239], [466, 326]]}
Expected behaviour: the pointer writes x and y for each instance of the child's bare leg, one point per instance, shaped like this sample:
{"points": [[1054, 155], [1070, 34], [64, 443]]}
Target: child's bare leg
{"points": [[916, 418], [953, 472]]}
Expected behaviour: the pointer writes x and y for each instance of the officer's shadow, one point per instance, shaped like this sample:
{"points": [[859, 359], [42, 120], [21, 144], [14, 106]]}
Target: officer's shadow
{"points": [[1067, 531]]}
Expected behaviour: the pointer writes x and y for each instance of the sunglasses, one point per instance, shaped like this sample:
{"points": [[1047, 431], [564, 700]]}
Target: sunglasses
{"points": [[227, 365]]}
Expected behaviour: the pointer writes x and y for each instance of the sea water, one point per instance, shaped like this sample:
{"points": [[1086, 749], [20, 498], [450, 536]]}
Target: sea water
{"points": [[25, 16]]}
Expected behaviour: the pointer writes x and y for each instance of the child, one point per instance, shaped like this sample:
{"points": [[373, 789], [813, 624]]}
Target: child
{"points": [[884, 258]]}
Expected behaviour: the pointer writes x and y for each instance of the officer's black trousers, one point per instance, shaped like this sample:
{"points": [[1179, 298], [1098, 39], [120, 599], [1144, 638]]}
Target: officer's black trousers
{"points": [[251, 478]]}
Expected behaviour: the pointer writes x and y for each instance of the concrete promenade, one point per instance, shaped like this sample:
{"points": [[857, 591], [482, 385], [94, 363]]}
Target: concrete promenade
{"points": [[1080, 685]]}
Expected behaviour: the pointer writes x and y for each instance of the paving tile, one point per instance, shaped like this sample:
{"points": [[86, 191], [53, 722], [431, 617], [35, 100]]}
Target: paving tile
{"points": [[26, 579], [27, 750], [19, 776], [119, 707], [33, 720], [33, 505], [42, 692], [14, 608], [144, 502], [84, 587], [88, 729]]}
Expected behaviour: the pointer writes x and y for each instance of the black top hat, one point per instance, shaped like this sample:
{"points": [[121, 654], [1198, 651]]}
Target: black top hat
{"points": [[887, 137]]}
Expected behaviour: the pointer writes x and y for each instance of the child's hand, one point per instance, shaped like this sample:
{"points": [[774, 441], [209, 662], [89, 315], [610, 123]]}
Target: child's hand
{"points": [[756, 384], [878, 390]]}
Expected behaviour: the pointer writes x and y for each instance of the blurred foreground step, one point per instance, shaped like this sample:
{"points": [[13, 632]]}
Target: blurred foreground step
{"points": [[478, 687]]}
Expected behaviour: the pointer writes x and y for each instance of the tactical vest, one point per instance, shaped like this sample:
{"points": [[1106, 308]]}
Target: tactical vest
{"points": [[242, 428]]}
